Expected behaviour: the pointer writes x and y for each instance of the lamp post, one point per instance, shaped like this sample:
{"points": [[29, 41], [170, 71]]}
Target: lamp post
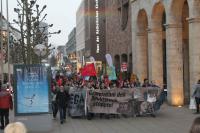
{"points": [[8, 41], [40, 50], [1, 21]]}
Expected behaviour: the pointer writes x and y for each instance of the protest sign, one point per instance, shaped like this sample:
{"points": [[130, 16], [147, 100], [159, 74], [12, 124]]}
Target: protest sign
{"points": [[77, 102], [115, 101]]}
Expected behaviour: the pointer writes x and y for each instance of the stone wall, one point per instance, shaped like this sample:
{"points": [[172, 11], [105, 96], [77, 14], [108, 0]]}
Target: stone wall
{"points": [[176, 34], [118, 40]]}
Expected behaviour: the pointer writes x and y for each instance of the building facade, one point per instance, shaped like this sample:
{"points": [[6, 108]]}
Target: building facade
{"points": [[95, 30], [80, 34], [165, 44], [118, 32], [71, 49], [90, 33]]}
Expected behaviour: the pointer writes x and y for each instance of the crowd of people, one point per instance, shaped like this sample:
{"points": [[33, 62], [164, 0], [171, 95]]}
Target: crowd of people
{"points": [[61, 85]]}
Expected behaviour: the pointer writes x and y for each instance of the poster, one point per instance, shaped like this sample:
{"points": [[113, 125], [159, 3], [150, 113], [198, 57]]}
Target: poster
{"points": [[77, 102], [31, 89]]}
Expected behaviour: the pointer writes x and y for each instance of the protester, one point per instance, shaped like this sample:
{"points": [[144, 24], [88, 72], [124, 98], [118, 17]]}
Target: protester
{"points": [[137, 83], [196, 95], [16, 127], [53, 102], [6, 103], [146, 83], [62, 100], [195, 128], [102, 86]]}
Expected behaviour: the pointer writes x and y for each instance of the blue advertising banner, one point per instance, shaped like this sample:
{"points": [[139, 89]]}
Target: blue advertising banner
{"points": [[31, 89]]}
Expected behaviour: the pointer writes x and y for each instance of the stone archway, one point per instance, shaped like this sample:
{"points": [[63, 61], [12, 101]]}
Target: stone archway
{"points": [[130, 63], [124, 58], [157, 45], [185, 38], [142, 45], [117, 62], [178, 53], [194, 39]]}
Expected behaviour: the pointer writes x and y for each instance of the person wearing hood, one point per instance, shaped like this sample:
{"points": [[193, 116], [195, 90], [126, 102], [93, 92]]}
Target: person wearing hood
{"points": [[196, 95], [6, 103]]}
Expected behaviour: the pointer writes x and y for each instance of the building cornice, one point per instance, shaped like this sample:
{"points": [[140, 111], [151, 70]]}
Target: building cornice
{"points": [[193, 20], [173, 26], [152, 30]]}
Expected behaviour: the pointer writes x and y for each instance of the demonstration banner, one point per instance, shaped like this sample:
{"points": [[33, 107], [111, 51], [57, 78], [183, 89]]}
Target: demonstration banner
{"points": [[31, 89], [77, 102], [135, 101], [115, 101]]}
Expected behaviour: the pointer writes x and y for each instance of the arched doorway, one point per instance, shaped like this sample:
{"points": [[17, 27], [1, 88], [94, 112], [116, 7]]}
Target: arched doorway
{"points": [[130, 63], [124, 58], [164, 48], [194, 39], [117, 63], [178, 53], [185, 37], [157, 46], [142, 45]]}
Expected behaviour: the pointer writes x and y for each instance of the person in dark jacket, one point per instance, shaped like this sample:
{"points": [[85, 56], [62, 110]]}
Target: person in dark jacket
{"points": [[196, 95], [6, 103], [62, 100]]}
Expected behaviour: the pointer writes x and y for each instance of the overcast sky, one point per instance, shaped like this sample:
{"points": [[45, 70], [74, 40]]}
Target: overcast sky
{"points": [[61, 13]]}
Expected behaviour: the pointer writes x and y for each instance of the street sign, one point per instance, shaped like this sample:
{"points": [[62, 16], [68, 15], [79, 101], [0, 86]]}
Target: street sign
{"points": [[124, 67]]}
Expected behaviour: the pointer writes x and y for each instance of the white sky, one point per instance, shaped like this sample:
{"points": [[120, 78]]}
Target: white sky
{"points": [[61, 13]]}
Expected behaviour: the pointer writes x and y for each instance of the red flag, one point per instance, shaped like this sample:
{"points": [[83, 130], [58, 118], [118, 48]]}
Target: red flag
{"points": [[88, 70]]}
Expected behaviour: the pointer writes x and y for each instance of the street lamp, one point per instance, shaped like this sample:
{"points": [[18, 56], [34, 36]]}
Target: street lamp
{"points": [[40, 50]]}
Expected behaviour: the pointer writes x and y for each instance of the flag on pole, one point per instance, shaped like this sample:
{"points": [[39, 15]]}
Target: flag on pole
{"points": [[88, 70], [111, 73]]}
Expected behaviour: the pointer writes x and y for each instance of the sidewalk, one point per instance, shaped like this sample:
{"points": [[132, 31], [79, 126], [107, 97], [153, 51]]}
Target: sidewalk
{"points": [[168, 120]]}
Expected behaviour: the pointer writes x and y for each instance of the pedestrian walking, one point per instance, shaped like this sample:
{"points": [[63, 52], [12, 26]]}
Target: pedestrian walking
{"points": [[196, 95], [62, 100], [54, 103], [6, 103]]}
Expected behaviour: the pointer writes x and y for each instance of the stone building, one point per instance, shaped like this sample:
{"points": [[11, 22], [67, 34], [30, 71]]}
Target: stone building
{"points": [[90, 33], [71, 50], [80, 33], [71, 45], [95, 30], [118, 32], [165, 44]]}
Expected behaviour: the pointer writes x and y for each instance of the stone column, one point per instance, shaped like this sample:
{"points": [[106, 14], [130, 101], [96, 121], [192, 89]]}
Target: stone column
{"points": [[174, 64], [194, 52], [155, 55], [141, 59]]}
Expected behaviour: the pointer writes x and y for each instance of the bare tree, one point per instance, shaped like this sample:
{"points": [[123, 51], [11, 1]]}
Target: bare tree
{"points": [[30, 18]]}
